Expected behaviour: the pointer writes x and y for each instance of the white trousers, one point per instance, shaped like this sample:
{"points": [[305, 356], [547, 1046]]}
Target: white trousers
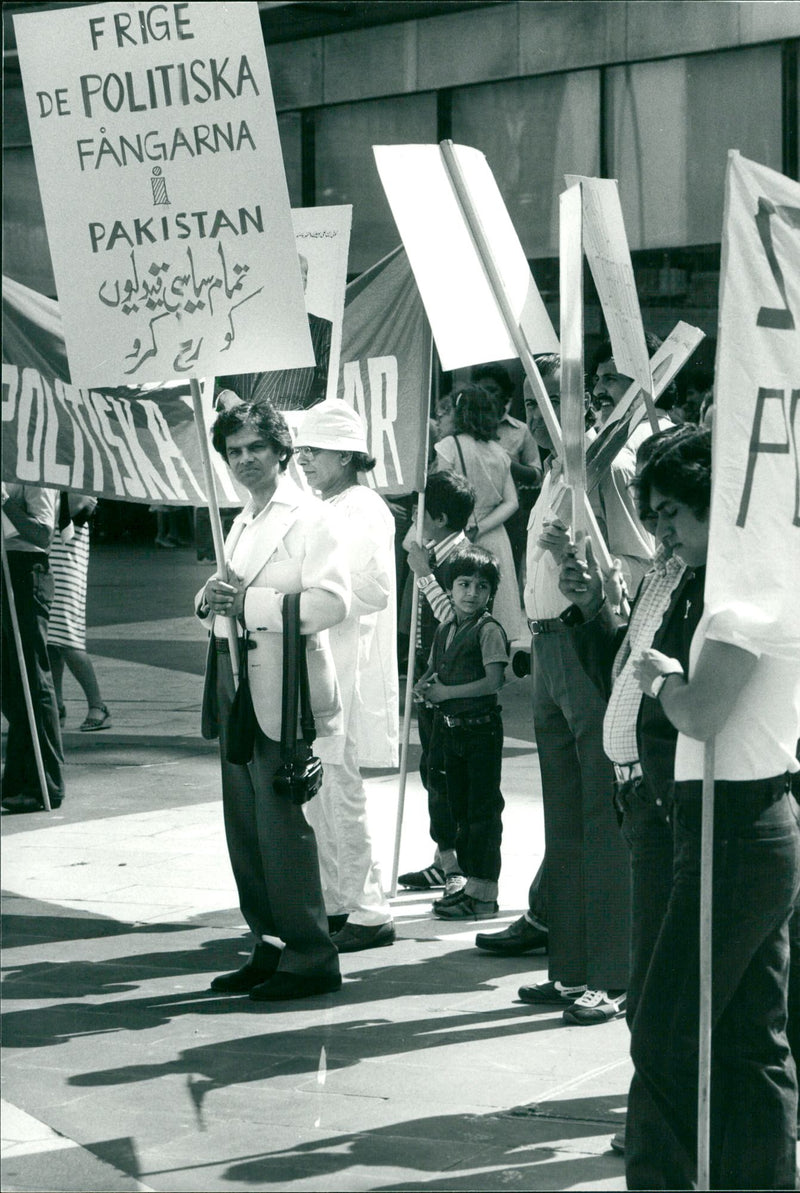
{"points": [[351, 879]]}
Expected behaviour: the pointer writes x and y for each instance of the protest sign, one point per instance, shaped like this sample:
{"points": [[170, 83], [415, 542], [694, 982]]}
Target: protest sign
{"points": [[160, 170], [322, 237], [609, 258], [462, 308], [386, 369], [754, 544]]}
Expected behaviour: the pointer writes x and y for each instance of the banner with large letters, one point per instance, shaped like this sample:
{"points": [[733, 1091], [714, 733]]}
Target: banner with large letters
{"points": [[754, 550], [136, 443], [386, 370]]}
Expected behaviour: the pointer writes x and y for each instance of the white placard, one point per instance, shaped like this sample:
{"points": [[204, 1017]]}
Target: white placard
{"points": [[573, 402], [464, 316], [753, 568], [609, 257], [162, 181]]}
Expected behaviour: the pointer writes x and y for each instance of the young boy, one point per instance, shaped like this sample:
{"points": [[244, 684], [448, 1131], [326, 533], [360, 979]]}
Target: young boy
{"points": [[449, 502], [466, 668]]}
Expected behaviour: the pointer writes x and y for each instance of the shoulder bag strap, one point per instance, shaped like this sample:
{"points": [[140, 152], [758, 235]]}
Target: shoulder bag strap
{"points": [[291, 625], [461, 455]]}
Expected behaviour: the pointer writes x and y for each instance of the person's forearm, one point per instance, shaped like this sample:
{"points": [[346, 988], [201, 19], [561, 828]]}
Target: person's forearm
{"points": [[477, 687], [36, 533], [498, 516], [525, 474]]}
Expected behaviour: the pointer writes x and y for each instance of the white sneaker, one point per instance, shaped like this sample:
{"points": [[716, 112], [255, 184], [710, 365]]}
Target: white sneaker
{"points": [[454, 884]]}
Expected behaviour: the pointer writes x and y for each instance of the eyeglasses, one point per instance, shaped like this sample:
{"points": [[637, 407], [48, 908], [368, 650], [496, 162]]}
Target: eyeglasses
{"points": [[307, 451]]}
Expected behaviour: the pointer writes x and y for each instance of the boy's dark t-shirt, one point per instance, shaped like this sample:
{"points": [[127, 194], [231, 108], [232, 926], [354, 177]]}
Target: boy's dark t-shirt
{"points": [[460, 654]]}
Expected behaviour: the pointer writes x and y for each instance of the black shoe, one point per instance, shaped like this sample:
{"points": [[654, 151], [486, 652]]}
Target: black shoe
{"points": [[336, 923], [355, 937], [514, 941], [258, 969], [423, 880], [27, 803], [282, 986]]}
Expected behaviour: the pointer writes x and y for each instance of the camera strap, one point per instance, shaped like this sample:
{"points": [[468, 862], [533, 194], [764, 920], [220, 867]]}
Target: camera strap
{"points": [[295, 682]]}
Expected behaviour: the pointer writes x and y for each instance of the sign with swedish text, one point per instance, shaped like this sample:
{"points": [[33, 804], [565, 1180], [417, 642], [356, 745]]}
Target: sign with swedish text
{"points": [[162, 182], [754, 543]]}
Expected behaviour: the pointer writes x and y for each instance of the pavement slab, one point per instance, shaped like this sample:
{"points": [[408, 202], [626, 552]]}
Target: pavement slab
{"points": [[122, 1070]]}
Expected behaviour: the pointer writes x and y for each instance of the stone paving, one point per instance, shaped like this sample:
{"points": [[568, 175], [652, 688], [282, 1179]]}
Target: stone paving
{"points": [[123, 1071]]}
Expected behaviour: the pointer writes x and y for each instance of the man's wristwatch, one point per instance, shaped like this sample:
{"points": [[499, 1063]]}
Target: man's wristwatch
{"points": [[673, 668]]}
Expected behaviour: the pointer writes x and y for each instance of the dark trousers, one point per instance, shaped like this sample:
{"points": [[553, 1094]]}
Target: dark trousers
{"points": [[753, 1079], [647, 830], [431, 771], [588, 869], [273, 852], [472, 762], [537, 894], [32, 586]]}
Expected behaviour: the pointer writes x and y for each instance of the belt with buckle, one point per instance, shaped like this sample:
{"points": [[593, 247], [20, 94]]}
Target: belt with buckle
{"points": [[547, 625], [627, 771], [466, 722]]}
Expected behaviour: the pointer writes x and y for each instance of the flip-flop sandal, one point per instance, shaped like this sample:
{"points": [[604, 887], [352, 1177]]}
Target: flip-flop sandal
{"points": [[92, 724]]}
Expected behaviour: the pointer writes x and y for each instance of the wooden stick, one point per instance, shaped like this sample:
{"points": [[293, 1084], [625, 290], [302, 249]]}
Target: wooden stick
{"points": [[516, 334], [409, 700], [706, 972], [23, 671], [214, 515]]}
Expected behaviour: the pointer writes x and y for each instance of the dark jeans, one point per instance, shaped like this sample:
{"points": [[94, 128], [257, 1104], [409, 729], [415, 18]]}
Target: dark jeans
{"points": [[753, 1080], [588, 869], [472, 763], [431, 771], [32, 585], [647, 830]]}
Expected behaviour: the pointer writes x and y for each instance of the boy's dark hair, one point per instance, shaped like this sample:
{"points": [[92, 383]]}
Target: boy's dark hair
{"points": [[680, 469], [476, 413], [451, 494], [473, 561], [263, 418]]}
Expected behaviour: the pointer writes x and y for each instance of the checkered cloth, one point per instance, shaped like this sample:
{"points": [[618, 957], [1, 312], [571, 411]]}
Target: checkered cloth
{"points": [[619, 724]]}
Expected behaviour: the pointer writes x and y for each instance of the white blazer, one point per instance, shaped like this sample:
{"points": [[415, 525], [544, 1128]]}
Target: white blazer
{"points": [[298, 549]]}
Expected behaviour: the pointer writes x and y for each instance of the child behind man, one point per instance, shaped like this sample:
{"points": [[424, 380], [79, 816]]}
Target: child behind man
{"points": [[449, 502], [465, 671]]}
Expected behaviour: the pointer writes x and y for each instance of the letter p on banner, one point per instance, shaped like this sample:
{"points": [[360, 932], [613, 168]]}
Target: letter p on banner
{"points": [[754, 547]]}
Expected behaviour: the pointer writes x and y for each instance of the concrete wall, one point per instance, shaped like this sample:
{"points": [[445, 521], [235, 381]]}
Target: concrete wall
{"points": [[511, 40]]}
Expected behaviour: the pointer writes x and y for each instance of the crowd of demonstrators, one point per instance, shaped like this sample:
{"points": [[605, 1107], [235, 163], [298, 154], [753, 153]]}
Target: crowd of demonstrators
{"points": [[284, 541], [332, 452], [66, 631], [449, 502], [29, 515], [473, 450], [465, 671]]}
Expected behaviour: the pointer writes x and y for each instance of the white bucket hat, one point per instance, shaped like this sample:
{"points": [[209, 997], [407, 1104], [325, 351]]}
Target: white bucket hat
{"points": [[334, 426]]}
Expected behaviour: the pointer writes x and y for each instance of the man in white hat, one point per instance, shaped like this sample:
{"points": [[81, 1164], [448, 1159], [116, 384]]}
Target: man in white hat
{"points": [[332, 451]]}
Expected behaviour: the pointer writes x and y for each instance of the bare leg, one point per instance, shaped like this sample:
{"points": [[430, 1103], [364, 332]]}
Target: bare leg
{"points": [[81, 667]]}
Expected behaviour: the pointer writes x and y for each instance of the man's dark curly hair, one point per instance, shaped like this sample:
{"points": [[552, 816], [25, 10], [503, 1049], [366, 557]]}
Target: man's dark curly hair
{"points": [[679, 468], [262, 417], [476, 413]]}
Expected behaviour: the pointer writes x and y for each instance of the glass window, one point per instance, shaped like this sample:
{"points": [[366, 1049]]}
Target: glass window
{"points": [[533, 131], [345, 166], [290, 132], [670, 126]]}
